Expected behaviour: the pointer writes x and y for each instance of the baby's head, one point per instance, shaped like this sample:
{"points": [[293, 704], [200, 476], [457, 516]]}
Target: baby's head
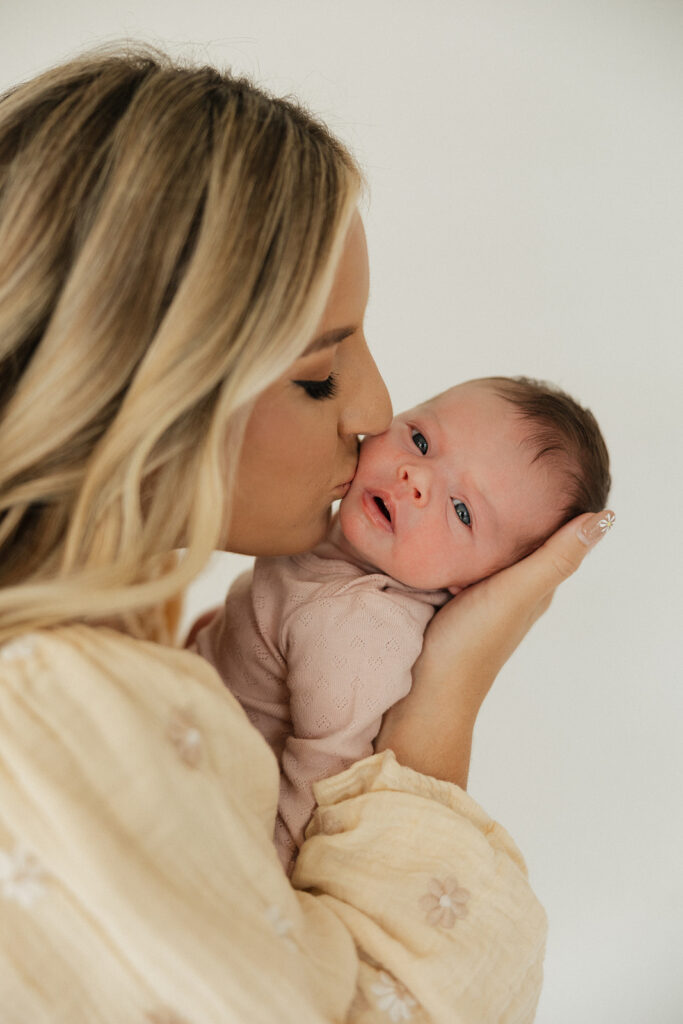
{"points": [[473, 480]]}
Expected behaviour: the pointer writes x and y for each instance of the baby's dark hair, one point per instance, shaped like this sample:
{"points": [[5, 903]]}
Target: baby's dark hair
{"points": [[565, 433]]}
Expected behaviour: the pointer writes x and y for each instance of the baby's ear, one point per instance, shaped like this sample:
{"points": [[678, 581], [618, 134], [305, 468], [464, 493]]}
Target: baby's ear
{"points": [[454, 590]]}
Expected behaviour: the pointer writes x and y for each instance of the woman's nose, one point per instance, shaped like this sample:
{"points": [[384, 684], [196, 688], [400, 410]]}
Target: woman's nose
{"points": [[368, 410], [416, 480]]}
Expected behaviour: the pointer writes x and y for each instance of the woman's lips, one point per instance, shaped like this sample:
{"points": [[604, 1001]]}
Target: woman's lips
{"points": [[341, 490], [374, 514]]}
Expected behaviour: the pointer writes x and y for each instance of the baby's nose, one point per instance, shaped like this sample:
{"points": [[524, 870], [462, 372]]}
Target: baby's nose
{"points": [[416, 482]]}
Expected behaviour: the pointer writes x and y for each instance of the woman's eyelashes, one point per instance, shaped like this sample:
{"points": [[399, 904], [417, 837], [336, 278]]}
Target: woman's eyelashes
{"points": [[319, 389]]}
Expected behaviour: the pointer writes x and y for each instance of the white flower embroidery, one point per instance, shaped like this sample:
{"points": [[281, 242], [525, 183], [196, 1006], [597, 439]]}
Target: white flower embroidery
{"points": [[22, 647], [186, 738], [393, 998], [281, 925], [607, 522], [445, 902], [21, 876]]}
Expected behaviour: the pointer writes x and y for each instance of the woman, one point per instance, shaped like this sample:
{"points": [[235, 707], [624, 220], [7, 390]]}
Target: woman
{"points": [[182, 287]]}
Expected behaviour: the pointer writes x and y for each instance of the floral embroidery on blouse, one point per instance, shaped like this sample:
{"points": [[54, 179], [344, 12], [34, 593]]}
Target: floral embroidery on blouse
{"points": [[20, 648], [281, 925], [393, 998], [186, 737], [21, 876], [445, 902]]}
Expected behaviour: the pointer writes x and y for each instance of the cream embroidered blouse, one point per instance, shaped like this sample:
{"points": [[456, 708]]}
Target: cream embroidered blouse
{"points": [[139, 881]]}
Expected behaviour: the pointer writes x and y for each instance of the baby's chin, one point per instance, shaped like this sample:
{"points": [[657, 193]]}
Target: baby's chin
{"points": [[372, 559], [418, 580], [422, 583]]}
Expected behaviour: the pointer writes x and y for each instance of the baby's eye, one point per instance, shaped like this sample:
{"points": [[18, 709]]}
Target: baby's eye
{"points": [[462, 512], [420, 441]]}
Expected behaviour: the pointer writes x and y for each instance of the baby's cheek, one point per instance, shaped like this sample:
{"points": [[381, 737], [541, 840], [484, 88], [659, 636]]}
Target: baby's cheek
{"points": [[457, 564], [427, 562]]}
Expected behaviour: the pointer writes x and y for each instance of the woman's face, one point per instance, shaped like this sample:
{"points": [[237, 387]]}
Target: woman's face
{"points": [[301, 443]]}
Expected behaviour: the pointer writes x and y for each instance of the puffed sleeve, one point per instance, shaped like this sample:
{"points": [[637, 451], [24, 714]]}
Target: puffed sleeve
{"points": [[139, 881], [434, 893]]}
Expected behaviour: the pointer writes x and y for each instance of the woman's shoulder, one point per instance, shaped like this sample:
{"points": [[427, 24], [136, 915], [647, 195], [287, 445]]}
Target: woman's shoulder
{"points": [[90, 703], [101, 652]]}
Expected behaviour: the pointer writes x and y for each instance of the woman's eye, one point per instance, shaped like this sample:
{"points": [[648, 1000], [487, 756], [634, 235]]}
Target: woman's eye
{"points": [[319, 388], [420, 441], [462, 512]]}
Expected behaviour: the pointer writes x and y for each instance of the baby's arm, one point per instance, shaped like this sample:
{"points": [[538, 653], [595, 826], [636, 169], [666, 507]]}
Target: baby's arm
{"points": [[349, 659]]}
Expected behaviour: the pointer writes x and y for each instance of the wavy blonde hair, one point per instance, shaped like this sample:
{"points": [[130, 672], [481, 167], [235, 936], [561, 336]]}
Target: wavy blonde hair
{"points": [[168, 239]]}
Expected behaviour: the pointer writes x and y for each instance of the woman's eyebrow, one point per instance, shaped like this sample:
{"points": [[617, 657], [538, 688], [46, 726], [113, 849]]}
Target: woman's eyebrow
{"points": [[328, 339]]}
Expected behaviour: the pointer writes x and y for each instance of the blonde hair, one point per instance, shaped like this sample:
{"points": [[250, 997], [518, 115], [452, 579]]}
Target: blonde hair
{"points": [[168, 239]]}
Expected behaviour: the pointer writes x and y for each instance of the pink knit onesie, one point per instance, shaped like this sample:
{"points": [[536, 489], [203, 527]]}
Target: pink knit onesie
{"points": [[316, 648]]}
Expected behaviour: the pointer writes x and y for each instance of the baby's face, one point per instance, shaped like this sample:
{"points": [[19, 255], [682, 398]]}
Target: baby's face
{"points": [[448, 494]]}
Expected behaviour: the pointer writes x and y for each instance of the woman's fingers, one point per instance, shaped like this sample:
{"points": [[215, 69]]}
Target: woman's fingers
{"points": [[478, 630], [563, 553], [465, 646], [517, 596]]}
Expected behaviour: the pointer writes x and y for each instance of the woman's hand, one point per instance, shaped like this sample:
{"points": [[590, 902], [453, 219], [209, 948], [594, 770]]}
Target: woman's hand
{"points": [[466, 644]]}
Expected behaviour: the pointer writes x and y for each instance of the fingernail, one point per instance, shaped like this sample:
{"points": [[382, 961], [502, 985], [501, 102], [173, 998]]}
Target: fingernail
{"points": [[594, 529]]}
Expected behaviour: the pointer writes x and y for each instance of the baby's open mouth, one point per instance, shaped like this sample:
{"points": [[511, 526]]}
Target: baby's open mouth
{"points": [[382, 507]]}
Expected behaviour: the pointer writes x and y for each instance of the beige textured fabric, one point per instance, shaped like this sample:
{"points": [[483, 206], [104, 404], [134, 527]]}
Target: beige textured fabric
{"points": [[139, 882]]}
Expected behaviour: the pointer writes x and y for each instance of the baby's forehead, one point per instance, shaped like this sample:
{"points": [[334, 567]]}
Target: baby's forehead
{"points": [[470, 394], [478, 407]]}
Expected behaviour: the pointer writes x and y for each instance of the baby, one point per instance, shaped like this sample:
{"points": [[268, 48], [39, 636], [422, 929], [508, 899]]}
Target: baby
{"points": [[318, 646]]}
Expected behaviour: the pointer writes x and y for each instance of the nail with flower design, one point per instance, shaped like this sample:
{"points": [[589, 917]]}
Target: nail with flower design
{"points": [[594, 529]]}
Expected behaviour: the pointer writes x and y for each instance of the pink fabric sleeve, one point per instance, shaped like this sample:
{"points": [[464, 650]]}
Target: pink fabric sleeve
{"points": [[349, 659]]}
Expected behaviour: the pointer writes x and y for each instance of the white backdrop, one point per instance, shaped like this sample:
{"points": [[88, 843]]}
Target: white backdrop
{"points": [[525, 161]]}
